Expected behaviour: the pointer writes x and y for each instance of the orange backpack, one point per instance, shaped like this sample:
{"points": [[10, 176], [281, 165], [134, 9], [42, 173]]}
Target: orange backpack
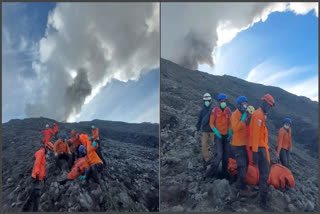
{"points": [[252, 176], [280, 176]]}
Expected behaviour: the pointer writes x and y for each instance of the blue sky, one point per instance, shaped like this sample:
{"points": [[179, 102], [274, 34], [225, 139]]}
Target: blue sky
{"points": [[26, 73], [282, 51]]}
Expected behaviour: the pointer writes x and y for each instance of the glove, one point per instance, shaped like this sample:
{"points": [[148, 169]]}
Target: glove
{"points": [[90, 138], [229, 134], [255, 158], [93, 144], [48, 152], [216, 132], [243, 117], [82, 177]]}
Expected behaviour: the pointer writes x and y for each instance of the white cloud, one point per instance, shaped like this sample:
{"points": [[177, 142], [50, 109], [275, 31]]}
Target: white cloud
{"points": [[303, 8], [269, 73]]}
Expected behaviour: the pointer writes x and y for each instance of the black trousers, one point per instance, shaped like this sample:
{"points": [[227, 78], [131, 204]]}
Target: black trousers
{"points": [[285, 157], [222, 154], [32, 204], [241, 156], [264, 168], [93, 172], [66, 157], [98, 151]]}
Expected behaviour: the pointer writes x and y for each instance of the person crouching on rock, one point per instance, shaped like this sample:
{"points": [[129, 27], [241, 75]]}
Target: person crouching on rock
{"points": [[207, 133], [62, 151], [258, 143], [95, 137], [284, 143], [75, 141], [221, 126], [96, 164], [38, 175]]}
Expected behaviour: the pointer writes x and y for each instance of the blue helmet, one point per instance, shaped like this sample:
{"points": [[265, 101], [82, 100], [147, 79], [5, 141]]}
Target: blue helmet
{"points": [[63, 136], [81, 148], [287, 120], [222, 97], [241, 99]]}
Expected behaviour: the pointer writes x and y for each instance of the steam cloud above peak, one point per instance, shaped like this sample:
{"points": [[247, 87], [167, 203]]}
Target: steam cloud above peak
{"points": [[86, 45], [191, 31]]}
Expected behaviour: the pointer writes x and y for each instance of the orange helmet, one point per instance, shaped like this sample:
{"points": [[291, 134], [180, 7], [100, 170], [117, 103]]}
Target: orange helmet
{"points": [[73, 132], [269, 99]]}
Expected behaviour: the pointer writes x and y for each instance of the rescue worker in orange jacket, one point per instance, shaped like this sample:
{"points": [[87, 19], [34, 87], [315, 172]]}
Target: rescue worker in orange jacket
{"points": [[258, 143], [75, 142], [62, 151], [221, 126], [48, 132], [94, 161], [284, 143], [38, 175], [55, 130], [239, 143], [95, 137]]}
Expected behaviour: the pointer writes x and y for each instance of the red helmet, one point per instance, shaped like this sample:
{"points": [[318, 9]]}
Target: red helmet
{"points": [[269, 99]]}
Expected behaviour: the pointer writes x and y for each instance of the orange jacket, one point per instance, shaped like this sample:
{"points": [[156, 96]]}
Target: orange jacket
{"points": [[284, 139], [75, 140], [223, 123], [39, 166], [61, 147], [239, 130], [47, 135], [55, 128], [84, 139], [95, 134], [258, 132], [92, 156]]}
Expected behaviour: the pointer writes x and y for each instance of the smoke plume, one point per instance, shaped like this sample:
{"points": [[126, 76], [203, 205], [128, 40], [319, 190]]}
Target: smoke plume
{"points": [[106, 40], [191, 31]]}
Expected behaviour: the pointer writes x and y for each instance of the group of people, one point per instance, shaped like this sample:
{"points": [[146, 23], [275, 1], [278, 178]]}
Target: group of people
{"points": [[85, 155], [242, 134]]}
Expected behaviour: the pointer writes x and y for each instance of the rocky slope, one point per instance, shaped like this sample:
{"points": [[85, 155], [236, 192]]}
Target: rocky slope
{"points": [[130, 179], [182, 183]]}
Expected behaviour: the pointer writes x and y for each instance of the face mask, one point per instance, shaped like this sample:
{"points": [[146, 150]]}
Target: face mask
{"points": [[65, 140], [286, 127], [223, 105], [92, 127], [207, 103]]}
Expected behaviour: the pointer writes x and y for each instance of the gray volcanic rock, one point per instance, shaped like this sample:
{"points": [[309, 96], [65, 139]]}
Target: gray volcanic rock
{"points": [[129, 182], [182, 183]]}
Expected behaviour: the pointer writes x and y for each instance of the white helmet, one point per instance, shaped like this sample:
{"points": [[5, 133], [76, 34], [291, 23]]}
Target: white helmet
{"points": [[207, 97], [47, 126]]}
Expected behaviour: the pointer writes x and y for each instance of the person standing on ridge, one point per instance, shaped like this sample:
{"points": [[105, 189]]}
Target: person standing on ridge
{"points": [[47, 134], [95, 137], [258, 143], [220, 124], [239, 143], [75, 141], [207, 133], [284, 143], [55, 131]]}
